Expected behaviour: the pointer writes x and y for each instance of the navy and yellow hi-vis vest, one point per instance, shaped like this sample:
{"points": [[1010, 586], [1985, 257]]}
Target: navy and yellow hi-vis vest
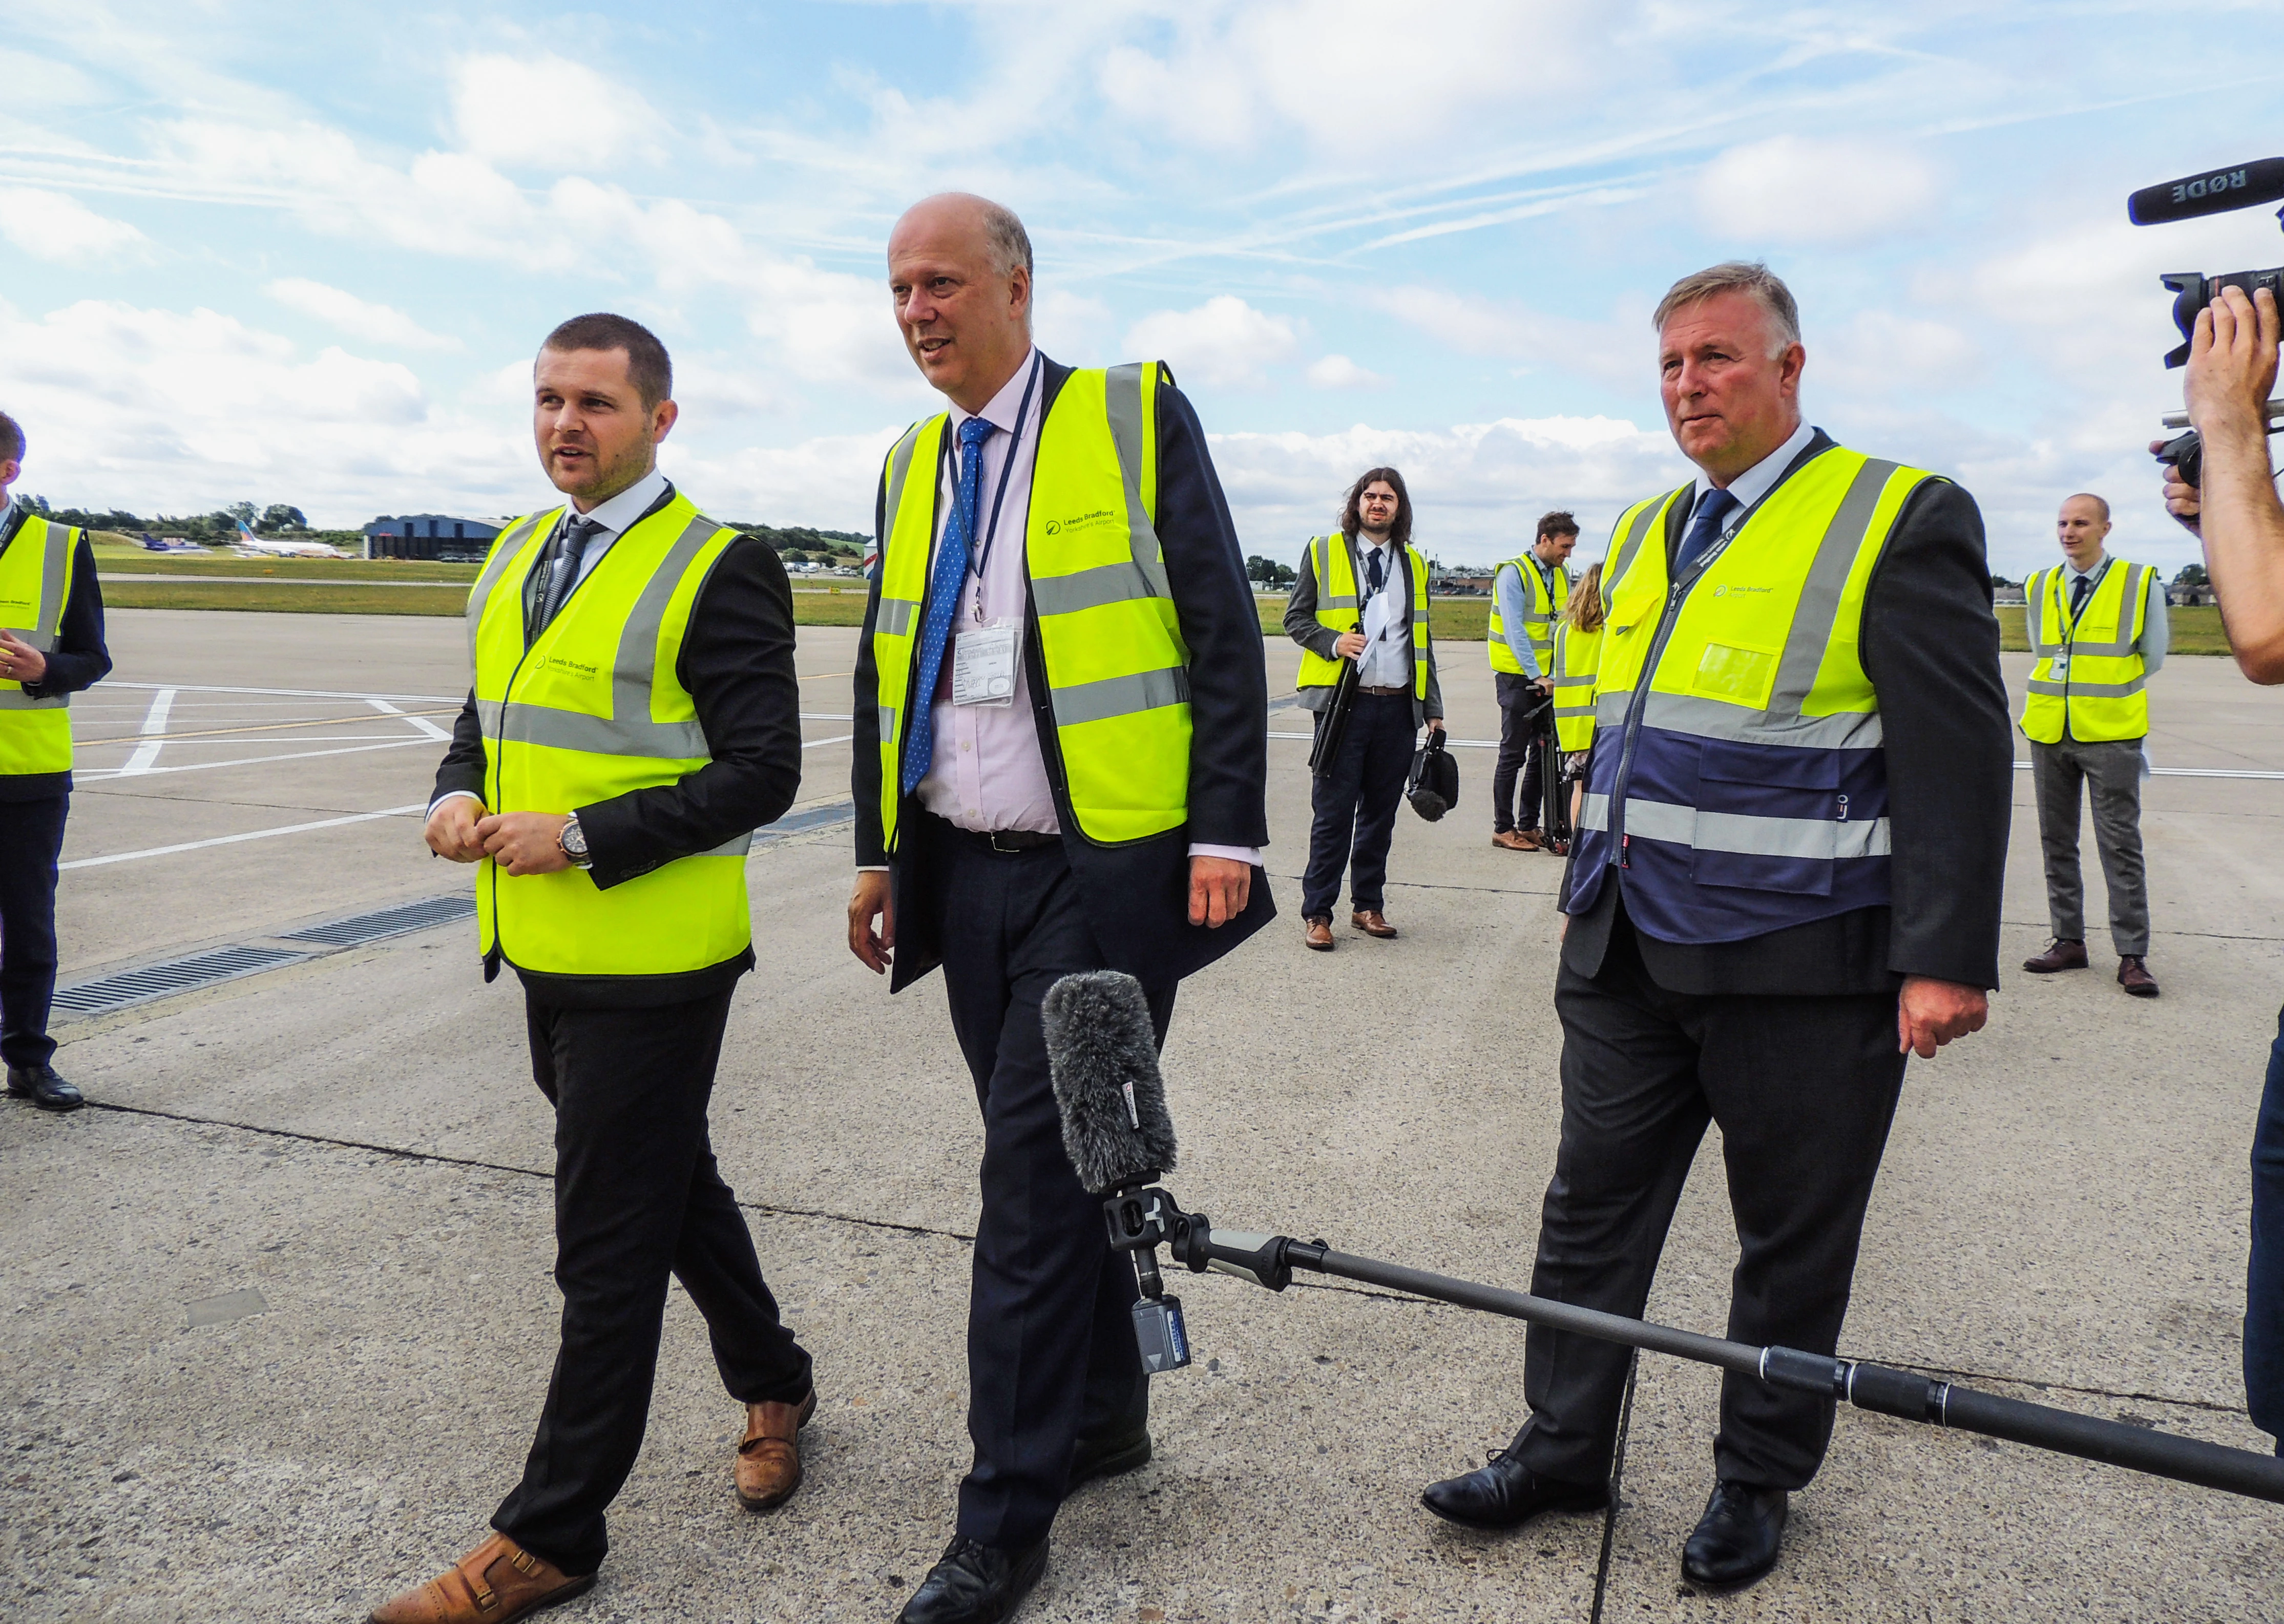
{"points": [[1336, 611], [1542, 608], [35, 583], [1118, 679], [2089, 674], [1737, 780], [1575, 653], [592, 709]]}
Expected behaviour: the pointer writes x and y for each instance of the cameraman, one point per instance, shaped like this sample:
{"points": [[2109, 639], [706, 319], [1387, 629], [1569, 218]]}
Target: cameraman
{"points": [[2232, 368]]}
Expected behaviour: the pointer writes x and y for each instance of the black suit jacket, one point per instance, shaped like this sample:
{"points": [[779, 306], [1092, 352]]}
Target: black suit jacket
{"points": [[1930, 645], [78, 661], [1137, 895], [737, 663]]}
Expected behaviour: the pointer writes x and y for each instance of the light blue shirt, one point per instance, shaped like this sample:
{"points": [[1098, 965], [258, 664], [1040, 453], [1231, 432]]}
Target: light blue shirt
{"points": [[2156, 629]]}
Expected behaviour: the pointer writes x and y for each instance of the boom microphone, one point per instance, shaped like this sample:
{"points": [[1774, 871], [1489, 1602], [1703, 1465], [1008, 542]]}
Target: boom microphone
{"points": [[1102, 1052], [2237, 186]]}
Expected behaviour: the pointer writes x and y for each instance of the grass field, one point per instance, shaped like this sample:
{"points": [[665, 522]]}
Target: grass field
{"points": [[319, 586]]}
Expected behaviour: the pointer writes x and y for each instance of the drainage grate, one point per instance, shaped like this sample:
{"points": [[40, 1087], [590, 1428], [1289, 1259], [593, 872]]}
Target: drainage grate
{"points": [[180, 975], [359, 929]]}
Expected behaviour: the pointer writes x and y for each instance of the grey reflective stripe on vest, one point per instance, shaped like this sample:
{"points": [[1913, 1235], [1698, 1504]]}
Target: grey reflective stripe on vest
{"points": [[54, 566], [504, 551], [900, 466], [1632, 544], [2076, 689], [14, 698], [2129, 607], [2034, 618], [1121, 696], [736, 845], [1142, 573], [1682, 713], [894, 617], [635, 671], [518, 723], [887, 721], [1323, 548], [1819, 839]]}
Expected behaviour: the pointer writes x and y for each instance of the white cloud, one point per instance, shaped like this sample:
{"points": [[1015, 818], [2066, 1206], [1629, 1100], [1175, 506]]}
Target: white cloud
{"points": [[546, 113], [380, 323], [1618, 351], [1224, 342], [1790, 190], [1340, 373], [1885, 353], [49, 225]]}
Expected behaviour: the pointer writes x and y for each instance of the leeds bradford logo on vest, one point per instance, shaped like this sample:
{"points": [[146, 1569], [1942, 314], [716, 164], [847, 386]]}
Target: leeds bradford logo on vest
{"points": [[1100, 516], [583, 669]]}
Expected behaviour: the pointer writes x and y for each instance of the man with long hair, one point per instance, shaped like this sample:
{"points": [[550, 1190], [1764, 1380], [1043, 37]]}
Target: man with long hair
{"points": [[1363, 596]]}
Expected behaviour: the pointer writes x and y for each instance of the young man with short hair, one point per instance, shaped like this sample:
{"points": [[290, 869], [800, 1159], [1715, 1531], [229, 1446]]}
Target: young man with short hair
{"points": [[1528, 594]]}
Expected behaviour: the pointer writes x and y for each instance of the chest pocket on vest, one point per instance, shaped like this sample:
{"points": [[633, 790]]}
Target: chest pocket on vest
{"points": [[1736, 672], [1768, 818]]}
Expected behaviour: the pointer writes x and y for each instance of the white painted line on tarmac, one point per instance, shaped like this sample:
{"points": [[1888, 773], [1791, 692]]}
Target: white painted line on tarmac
{"points": [[264, 760], [1449, 743], [255, 834], [301, 693], [154, 721], [421, 722]]}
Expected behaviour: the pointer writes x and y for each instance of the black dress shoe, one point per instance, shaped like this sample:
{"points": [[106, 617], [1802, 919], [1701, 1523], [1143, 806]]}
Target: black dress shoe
{"points": [[1107, 1457], [1736, 1540], [42, 1086], [975, 1584], [1506, 1494]]}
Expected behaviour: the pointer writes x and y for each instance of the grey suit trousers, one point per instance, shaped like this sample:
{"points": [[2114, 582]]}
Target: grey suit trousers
{"points": [[2111, 773]]}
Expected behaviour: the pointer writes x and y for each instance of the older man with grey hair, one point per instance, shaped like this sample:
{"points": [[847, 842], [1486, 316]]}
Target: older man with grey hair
{"points": [[1786, 879]]}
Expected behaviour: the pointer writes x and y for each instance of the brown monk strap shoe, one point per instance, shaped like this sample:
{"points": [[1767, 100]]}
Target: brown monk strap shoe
{"points": [[2062, 956], [1369, 921], [1516, 839], [496, 1581], [769, 1460], [2134, 975], [1319, 936]]}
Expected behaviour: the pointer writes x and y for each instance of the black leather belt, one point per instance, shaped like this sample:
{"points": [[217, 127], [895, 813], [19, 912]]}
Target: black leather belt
{"points": [[1006, 841], [1382, 693]]}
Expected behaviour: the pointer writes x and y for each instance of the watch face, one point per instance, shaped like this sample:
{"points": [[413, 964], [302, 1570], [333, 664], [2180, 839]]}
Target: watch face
{"points": [[574, 839]]}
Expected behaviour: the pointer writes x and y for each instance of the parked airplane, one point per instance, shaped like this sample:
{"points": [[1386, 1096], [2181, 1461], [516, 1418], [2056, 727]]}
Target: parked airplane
{"points": [[152, 543], [253, 546]]}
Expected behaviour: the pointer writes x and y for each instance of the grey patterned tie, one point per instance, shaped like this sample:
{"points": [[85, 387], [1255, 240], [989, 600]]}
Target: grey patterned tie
{"points": [[565, 573]]}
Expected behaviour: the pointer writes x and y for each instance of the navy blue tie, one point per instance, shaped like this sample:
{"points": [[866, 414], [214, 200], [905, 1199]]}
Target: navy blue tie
{"points": [[943, 598], [1704, 527]]}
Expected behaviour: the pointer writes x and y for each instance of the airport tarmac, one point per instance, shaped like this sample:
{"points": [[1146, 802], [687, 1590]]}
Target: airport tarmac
{"points": [[278, 1319]]}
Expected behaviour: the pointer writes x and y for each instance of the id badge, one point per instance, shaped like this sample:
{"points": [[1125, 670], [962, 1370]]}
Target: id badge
{"points": [[983, 664], [2061, 666]]}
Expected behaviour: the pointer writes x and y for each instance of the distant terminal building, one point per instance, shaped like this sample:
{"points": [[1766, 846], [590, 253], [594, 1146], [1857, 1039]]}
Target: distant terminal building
{"points": [[433, 537], [1467, 581]]}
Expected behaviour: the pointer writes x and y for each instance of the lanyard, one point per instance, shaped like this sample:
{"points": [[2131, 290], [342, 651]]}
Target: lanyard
{"points": [[977, 557], [2069, 615]]}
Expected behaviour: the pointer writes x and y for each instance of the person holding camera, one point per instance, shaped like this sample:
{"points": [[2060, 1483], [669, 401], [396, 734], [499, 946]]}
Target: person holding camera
{"points": [[1362, 595], [2097, 627], [1529, 596], [2236, 513]]}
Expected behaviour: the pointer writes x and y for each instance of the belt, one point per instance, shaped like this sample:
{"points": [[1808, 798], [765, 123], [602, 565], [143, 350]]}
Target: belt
{"points": [[1383, 693], [1006, 841]]}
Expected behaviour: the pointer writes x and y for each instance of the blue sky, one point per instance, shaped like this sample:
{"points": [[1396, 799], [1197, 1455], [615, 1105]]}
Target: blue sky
{"points": [[293, 253]]}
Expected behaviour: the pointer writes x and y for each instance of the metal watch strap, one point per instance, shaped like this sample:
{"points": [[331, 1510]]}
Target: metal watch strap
{"points": [[582, 858]]}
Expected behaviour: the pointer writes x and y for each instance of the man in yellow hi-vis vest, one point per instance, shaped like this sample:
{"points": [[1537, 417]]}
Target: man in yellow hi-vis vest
{"points": [[634, 716], [1528, 594], [2097, 628], [1062, 755], [51, 647]]}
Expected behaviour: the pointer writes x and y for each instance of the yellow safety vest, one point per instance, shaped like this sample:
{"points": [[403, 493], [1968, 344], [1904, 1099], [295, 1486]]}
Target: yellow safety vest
{"points": [[1118, 679], [1737, 776], [1574, 654], [591, 710], [1336, 611], [1541, 610], [35, 583], [2089, 676]]}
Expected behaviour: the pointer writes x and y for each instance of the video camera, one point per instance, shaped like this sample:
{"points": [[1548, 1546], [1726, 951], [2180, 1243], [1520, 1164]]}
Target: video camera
{"points": [[2213, 192]]}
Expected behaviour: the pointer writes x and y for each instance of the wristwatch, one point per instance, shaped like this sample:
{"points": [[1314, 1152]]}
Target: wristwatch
{"points": [[573, 842]]}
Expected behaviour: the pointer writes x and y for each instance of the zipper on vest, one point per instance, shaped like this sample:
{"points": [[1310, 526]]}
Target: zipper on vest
{"points": [[1674, 595]]}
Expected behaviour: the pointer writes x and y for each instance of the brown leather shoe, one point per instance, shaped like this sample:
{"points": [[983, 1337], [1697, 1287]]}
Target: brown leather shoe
{"points": [[496, 1581], [769, 1460], [1516, 839], [2134, 975], [1369, 921], [2062, 956], [1319, 936]]}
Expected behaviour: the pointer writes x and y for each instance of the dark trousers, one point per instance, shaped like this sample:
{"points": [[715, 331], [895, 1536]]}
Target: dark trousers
{"points": [[2110, 775], [1051, 1353], [1356, 806], [2263, 1295], [1521, 708], [31, 836], [1805, 1090], [637, 1197]]}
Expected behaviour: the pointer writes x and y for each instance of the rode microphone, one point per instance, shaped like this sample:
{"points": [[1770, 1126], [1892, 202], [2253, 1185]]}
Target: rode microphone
{"points": [[2215, 192], [1102, 1054]]}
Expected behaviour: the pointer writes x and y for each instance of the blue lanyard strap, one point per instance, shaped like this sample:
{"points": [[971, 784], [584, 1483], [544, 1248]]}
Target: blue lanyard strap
{"points": [[978, 556]]}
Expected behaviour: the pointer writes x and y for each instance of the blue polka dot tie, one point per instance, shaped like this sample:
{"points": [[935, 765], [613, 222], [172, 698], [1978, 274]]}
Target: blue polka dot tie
{"points": [[943, 598]]}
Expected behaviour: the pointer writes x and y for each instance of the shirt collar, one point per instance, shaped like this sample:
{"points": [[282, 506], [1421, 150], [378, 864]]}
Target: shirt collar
{"points": [[2076, 573], [629, 505], [1758, 480], [999, 411]]}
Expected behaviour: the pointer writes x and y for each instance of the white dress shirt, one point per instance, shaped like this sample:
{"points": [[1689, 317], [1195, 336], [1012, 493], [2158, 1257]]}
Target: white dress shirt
{"points": [[986, 772], [613, 516], [1758, 480], [1387, 662]]}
